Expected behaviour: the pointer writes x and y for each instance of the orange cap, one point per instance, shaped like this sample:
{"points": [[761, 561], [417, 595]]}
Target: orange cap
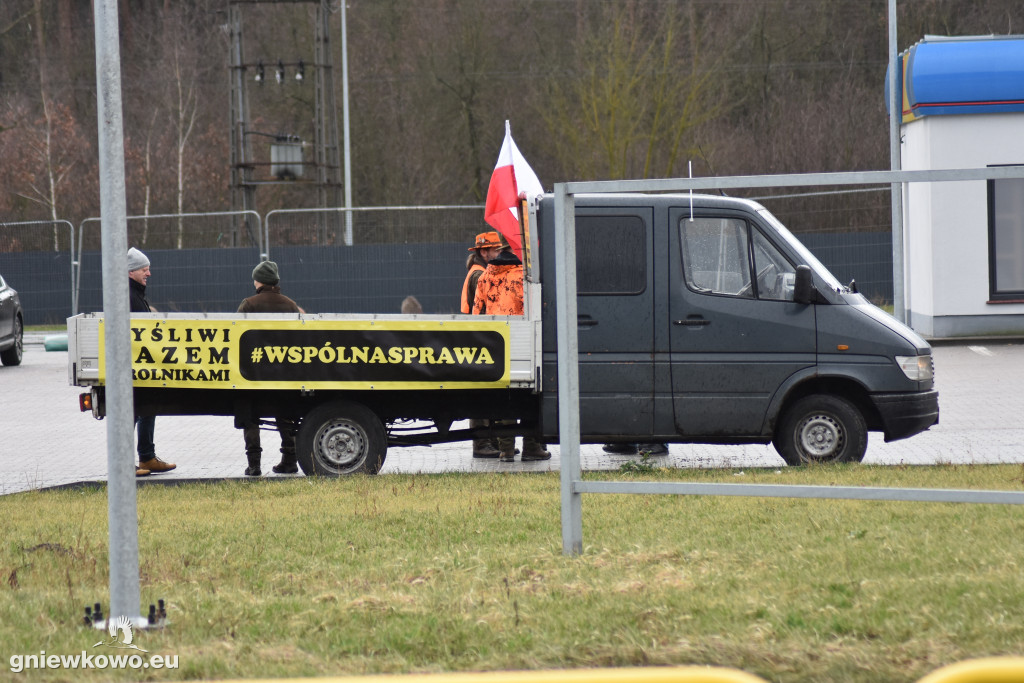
{"points": [[486, 240]]}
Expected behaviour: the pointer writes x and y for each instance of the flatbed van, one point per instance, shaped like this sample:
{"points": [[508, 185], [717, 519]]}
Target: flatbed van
{"points": [[701, 319]]}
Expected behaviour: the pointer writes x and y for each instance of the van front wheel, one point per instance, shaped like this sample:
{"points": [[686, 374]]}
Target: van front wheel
{"points": [[341, 437], [819, 429]]}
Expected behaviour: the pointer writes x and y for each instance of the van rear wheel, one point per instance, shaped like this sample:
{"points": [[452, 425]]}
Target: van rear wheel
{"points": [[821, 429], [341, 437]]}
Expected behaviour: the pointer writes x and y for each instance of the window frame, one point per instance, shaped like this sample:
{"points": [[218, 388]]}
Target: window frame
{"points": [[996, 295]]}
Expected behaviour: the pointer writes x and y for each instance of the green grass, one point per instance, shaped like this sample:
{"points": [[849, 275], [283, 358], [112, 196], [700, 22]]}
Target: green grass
{"points": [[456, 572]]}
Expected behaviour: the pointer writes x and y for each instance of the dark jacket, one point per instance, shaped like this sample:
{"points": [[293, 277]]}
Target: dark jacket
{"points": [[137, 297], [268, 299]]}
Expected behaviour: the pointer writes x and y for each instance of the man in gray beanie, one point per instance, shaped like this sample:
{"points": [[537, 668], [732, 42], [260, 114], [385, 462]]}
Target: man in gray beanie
{"points": [[269, 299], [138, 276]]}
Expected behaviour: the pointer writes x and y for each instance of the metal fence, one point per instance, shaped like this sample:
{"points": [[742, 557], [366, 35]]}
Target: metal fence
{"points": [[37, 258], [200, 261], [392, 252], [572, 483], [361, 260]]}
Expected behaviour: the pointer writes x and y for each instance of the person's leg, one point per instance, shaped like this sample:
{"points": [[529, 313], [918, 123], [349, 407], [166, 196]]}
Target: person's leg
{"points": [[146, 448], [506, 444], [253, 450], [141, 471], [146, 425], [289, 461]]}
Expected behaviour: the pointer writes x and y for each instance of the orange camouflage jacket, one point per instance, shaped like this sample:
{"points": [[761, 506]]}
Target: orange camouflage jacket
{"points": [[499, 291]]}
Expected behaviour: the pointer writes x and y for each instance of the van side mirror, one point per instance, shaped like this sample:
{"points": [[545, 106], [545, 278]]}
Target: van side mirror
{"points": [[803, 288]]}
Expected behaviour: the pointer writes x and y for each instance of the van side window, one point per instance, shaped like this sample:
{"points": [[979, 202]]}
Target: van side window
{"points": [[716, 256], [775, 274], [611, 255]]}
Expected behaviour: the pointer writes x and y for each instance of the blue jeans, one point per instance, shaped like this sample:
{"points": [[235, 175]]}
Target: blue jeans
{"points": [[146, 426]]}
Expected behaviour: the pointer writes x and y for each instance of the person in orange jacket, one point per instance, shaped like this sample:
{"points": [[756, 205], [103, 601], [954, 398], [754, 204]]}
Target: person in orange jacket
{"points": [[499, 291], [486, 246]]}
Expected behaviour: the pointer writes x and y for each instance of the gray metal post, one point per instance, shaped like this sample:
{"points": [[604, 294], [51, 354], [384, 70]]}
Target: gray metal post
{"points": [[568, 370], [899, 300], [121, 502], [345, 126]]}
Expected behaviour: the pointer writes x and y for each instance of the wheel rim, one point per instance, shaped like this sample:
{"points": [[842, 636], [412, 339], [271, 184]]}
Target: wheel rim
{"points": [[19, 341], [340, 446], [821, 437]]}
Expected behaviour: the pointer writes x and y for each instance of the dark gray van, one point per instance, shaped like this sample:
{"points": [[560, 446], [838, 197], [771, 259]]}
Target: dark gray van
{"points": [[717, 325]]}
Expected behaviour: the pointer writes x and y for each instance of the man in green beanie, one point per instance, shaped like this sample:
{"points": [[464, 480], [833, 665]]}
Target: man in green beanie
{"points": [[269, 299]]}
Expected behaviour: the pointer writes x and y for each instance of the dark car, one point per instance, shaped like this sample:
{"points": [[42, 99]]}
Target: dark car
{"points": [[12, 326]]}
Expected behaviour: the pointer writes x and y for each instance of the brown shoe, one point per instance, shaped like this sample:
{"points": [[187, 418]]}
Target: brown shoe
{"points": [[155, 464], [139, 472]]}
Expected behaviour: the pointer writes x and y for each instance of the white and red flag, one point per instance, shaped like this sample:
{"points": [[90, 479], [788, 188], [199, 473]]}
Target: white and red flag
{"points": [[512, 177]]}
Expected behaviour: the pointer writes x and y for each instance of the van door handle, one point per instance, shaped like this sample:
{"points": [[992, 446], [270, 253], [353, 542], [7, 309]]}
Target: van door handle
{"points": [[585, 321], [695, 321]]}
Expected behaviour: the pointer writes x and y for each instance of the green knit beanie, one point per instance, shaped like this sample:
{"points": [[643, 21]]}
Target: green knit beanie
{"points": [[266, 273]]}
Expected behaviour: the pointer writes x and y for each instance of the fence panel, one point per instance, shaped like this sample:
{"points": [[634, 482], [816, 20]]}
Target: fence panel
{"points": [[198, 259], [200, 280], [395, 252], [37, 259], [212, 230]]}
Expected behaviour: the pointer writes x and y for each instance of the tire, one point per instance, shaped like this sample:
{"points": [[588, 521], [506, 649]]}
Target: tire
{"points": [[13, 355], [821, 429], [340, 438]]}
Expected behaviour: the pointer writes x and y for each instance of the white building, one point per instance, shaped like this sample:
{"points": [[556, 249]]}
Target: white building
{"points": [[963, 107]]}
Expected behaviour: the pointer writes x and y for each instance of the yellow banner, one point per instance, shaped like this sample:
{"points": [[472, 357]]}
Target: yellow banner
{"points": [[315, 354]]}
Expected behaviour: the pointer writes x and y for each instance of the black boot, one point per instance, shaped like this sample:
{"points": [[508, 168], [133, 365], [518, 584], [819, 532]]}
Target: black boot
{"points": [[253, 470]]}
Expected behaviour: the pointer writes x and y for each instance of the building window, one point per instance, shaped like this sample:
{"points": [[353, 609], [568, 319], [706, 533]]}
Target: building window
{"points": [[1006, 239]]}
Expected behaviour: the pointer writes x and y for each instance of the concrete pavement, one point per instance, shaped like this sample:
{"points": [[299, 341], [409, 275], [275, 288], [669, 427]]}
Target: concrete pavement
{"points": [[45, 441]]}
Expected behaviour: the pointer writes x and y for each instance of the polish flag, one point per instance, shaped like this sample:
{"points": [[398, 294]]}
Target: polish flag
{"points": [[512, 177]]}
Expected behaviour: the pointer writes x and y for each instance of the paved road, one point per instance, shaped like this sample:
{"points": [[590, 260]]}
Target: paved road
{"points": [[45, 441]]}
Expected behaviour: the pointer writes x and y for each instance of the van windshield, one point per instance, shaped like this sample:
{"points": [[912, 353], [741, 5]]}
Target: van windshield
{"points": [[805, 254]]}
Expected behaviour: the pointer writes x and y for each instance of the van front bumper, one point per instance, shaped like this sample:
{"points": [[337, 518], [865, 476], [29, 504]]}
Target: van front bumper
{"points": [[904, 415]]}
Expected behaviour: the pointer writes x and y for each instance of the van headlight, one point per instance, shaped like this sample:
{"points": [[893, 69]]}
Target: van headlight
{"points": [[916, 368]]}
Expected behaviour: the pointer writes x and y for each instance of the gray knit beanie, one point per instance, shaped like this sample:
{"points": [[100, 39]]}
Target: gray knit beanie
{"points": [[266, 273], [136, 260]]}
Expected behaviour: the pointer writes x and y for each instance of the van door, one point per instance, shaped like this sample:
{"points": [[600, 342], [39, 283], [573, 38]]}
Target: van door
{"points": [[735, 333], [615, 318]]}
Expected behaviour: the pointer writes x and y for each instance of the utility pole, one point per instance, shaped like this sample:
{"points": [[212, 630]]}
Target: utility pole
{"points": [[325, 164]]}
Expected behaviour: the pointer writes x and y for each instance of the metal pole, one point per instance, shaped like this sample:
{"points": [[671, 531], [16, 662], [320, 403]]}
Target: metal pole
{"points": [[568, 370], [895, 121], [345, 126], [121, 502]]}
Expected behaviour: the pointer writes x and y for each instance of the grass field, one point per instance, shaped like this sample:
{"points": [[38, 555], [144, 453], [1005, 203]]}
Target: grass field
{"points": [[464, 572]]}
